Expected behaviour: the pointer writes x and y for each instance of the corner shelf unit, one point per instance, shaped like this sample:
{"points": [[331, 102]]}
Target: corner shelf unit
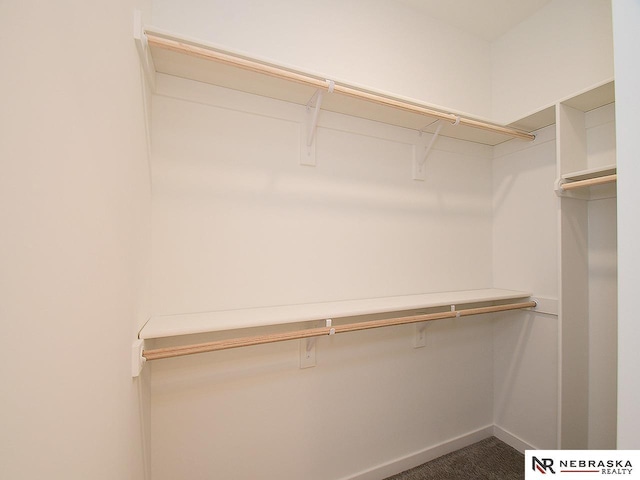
{"points": [[585, 172], [569, 115], [577, 177]]}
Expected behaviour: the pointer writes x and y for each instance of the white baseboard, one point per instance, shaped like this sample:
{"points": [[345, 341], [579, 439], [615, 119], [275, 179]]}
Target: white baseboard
{"points": [[418, 458], [511, 440]]}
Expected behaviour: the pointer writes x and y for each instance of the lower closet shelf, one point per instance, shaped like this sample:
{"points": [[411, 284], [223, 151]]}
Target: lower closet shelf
{"points": [[187, 324], [328, 329]]}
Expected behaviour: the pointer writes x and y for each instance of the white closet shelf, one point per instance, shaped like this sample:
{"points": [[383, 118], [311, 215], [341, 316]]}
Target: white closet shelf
{"points": [[601, 177], [176, 325], [590, 173], [172, 54]]}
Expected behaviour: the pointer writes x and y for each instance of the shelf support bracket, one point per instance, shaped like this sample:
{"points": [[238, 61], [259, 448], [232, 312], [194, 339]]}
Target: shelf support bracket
{"points": [[313, 123], [419, 161], [308, 153], [142, 46], [308, 352], [137, 360], [557, 187], [561, 192], [420, 335]]}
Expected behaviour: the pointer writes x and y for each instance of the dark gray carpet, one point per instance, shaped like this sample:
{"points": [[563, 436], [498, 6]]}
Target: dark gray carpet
{"points": [[489, 459]]}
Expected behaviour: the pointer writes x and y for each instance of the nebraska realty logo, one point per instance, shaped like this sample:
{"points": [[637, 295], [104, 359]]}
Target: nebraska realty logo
{"points": [[578, 464]]}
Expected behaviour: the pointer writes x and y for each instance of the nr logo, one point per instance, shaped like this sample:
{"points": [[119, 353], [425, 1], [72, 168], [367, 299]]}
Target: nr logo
{"points": [[542, 465]]}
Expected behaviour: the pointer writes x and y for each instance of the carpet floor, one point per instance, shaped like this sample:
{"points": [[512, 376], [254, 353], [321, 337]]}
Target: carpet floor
{"points": [[489, 459]]}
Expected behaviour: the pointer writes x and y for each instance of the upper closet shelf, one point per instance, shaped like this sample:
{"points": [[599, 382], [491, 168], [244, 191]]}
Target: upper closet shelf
{"points": [[583, 179], [590, 173], [170, 54], [175, 325]]}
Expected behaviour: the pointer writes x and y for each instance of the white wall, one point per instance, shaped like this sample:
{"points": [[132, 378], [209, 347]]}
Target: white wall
{"points": [[603, 285], [525, 258], [603, 346], [570, 39], [74, 197], [626, 17], [237, 222], [372, 399], [564, 48], [561, 50], [524, 215], [74, 209], [380, 44]]}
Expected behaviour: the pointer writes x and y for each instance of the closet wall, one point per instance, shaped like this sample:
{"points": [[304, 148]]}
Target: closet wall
{"points": [[570, 41], [603, 324], [74, 243], [75, 203], [561, 50], [626, 15], [525, 237], [383, 45], [603, 284], [238, 223]]}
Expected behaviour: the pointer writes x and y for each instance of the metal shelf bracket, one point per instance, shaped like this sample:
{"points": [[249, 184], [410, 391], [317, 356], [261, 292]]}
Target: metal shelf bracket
{"points": [[419, 161]]}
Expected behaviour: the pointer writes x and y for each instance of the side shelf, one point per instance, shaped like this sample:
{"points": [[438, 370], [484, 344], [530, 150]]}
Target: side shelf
{"points": [[583, 179], [580, 176], [590, 173]]}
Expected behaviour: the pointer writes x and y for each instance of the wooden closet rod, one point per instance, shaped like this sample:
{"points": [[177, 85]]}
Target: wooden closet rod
{"points": [[168, 352], [244, 63], [590, 182]]}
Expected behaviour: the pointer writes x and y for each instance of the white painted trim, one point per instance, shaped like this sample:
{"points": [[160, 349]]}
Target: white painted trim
{"points": [[402, 464], [418, 458], [546, 305], [512, 440]]}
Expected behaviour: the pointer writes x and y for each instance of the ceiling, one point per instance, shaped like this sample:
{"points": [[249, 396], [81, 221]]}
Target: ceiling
{"points": [[487, 19]]}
